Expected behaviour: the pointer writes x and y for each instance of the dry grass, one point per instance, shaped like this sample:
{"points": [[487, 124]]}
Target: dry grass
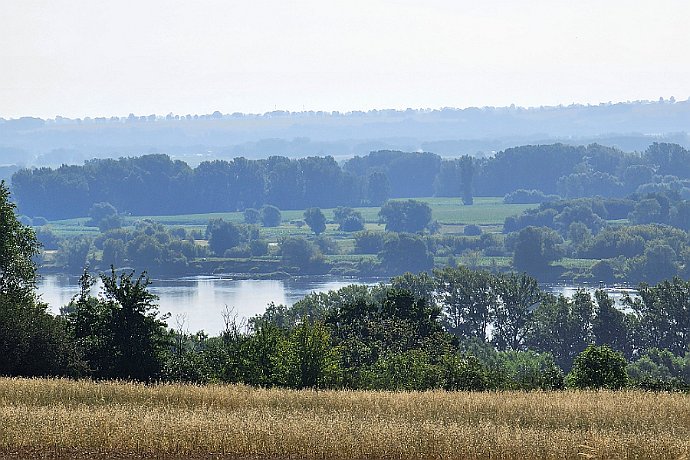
{"points": [[58, 418]]}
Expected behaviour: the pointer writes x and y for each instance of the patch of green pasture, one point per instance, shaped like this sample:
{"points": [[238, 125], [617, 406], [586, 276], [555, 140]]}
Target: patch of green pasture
{"points": [[350, 257], [576, 264], [489, 212], [484, 211]]}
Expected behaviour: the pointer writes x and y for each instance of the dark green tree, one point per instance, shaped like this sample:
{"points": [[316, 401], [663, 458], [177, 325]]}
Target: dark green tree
{"points": [[299, 252], [315, 220], [18, 246], [598, 367], [610, 325], [368, 242], [114, 252], [405, 216], [348, 219], [517, 297], [74, 252], [536, 248], [378, 188], [222, 236], [120, 333], [466, 297], [405, 253], [663, 315], [270, 216], [32, 341], [100, 211], [467, 177], [308, 359], [562, 326]]}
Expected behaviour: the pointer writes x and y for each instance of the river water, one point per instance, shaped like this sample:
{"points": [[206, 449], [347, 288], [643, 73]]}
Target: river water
{"points": [[199, 302]]}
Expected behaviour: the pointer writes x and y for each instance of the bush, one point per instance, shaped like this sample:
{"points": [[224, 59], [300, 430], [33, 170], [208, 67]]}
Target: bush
{"points": [[522, 196], [298, 252], [368, 242], [472, 230], [240, 252], [348, 219], [410, 370], [353, 223], [528, 370], [598, 367], [259, 247], [660, 368], [464, 373]]}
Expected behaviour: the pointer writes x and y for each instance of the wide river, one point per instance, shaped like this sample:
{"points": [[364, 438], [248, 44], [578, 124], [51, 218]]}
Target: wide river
{"points": [[199, 302]]}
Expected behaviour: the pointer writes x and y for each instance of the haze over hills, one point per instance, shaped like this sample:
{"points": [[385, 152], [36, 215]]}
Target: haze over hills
{"points": [[449, 132]]}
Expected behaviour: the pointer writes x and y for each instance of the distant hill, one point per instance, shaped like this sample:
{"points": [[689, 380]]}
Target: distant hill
{"points": [[448, 132]]}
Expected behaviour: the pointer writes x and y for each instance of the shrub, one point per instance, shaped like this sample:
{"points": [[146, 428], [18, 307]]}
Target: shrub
{"points": [[259, 247], [472, 230], [523, 196], [368, 242], [464, 373], [348, 219], [353, 223], [598, 367], [242, 251]]}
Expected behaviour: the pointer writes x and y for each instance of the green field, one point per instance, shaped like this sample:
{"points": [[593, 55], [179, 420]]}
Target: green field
{"points": [[488, 212]]}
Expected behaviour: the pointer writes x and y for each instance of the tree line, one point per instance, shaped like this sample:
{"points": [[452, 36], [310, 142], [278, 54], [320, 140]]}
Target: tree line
{"points": [[155, 184]]}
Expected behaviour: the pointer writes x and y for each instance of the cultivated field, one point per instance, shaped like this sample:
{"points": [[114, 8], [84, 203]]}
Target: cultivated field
{"points": [[57, 418]]}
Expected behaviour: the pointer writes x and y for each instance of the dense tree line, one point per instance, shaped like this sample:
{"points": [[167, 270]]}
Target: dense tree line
{"points": [[155, 184]]}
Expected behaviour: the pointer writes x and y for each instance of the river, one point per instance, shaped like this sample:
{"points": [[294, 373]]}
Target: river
{"points": [[199, 302]]}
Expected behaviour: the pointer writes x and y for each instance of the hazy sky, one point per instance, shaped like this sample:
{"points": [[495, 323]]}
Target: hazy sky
{"points": [[96, 57]]}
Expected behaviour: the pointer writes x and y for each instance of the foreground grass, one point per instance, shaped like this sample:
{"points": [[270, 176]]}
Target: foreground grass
{"points": [[57, 418]]}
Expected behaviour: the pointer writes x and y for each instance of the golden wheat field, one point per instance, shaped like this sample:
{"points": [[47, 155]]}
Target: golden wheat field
{"points": [[81, 419]]}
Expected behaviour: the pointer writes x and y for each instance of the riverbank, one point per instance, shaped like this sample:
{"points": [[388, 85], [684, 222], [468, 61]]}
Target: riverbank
{"points": [[82, 419]]}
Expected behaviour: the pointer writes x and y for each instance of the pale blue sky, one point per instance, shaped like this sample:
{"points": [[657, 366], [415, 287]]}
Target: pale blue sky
{"points": [[97, 58]]}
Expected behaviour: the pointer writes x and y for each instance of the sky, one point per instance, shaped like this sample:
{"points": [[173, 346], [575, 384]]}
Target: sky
{"points": [[81, 58]]}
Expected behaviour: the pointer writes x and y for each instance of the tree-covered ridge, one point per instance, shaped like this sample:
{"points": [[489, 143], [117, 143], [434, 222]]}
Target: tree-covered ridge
{"points": [[446, 131]]}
